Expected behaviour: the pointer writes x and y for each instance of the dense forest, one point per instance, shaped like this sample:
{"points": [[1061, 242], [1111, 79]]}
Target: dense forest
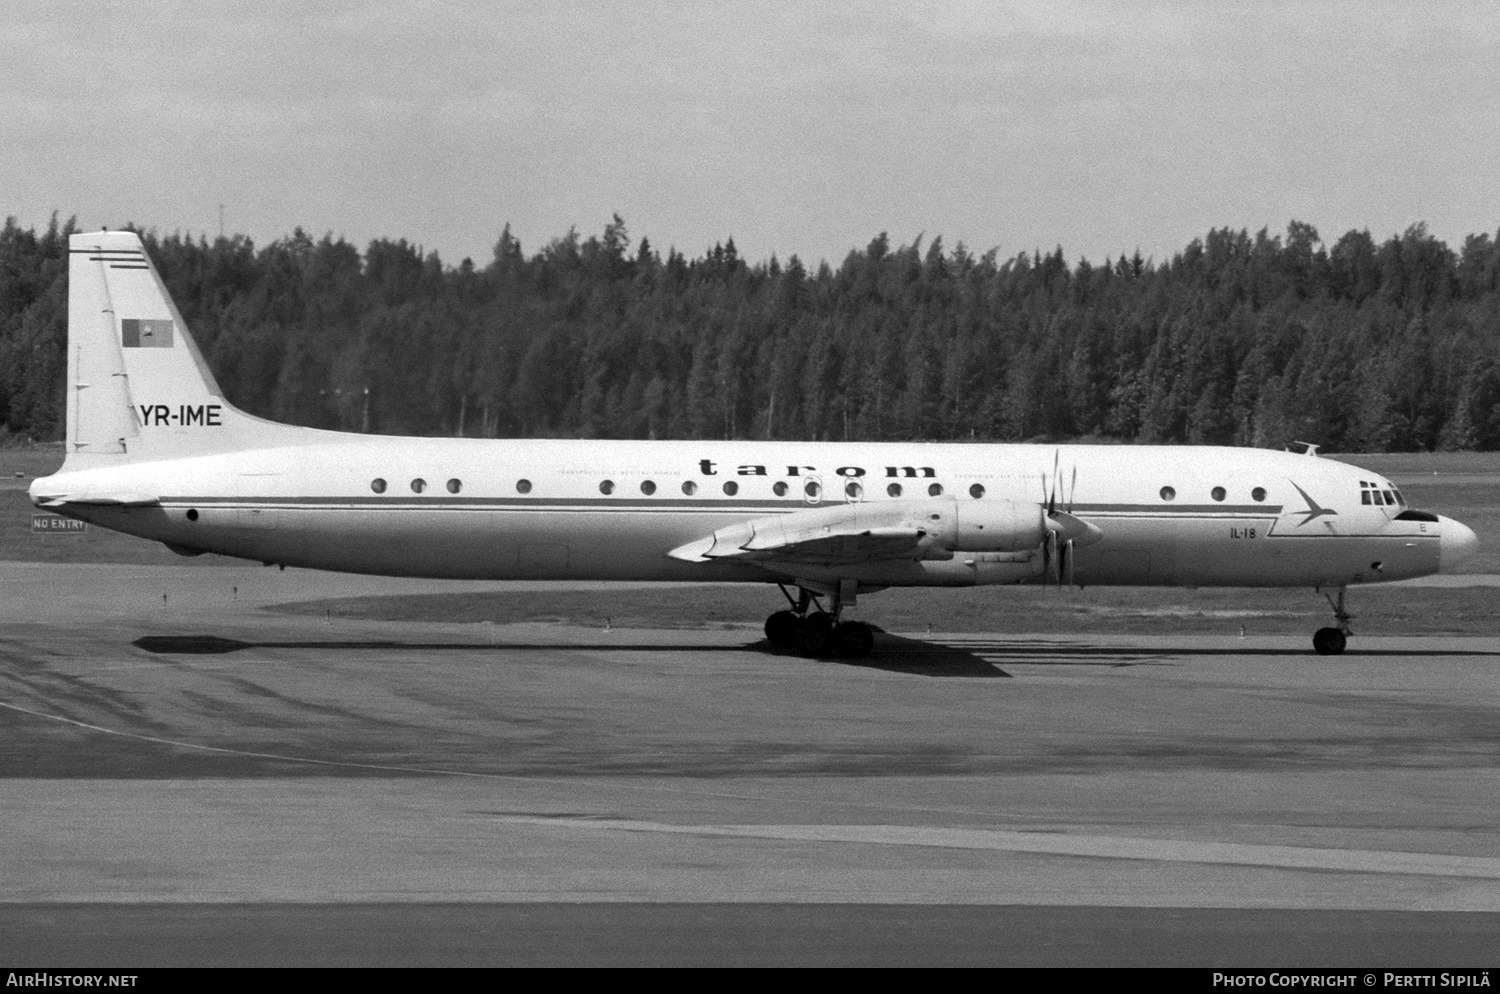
{"points": [[1243, 339]]}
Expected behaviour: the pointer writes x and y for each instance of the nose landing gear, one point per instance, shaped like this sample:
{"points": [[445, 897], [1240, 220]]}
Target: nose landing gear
{"points": [[808, 630], [1331, 641]]}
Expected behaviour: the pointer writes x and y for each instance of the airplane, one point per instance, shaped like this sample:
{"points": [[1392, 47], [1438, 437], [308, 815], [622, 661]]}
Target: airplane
{"points": [[153, 449]]}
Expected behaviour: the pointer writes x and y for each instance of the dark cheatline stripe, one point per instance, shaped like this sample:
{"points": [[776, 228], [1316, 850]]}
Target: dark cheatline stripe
{"points": [[492, 503], [1403, 538], [118, 266], [654, 505], [1238, 510], [649, 503]]}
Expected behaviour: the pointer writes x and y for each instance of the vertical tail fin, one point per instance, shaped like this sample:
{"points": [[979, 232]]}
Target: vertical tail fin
{"points": [[138, 388]]}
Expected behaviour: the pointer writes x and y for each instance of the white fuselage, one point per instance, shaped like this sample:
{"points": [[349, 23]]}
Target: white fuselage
{"points": [[612, 510], [154, 449]]}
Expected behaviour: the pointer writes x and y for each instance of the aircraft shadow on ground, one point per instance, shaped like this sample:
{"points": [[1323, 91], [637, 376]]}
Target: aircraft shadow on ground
{"points": [[899, 655], [973, 658], [214, 645], [896, 654]]}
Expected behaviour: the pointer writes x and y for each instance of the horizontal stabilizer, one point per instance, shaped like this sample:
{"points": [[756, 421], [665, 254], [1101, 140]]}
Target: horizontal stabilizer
{"points": [[110, 500]]}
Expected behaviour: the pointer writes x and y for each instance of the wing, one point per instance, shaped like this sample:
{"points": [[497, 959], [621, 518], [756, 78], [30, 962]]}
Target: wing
{"points": [[850, 534], [768, 542]]}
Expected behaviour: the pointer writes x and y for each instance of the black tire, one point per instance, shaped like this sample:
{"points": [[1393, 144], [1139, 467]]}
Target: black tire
{"points": [[781, 629], [814, 635], [854, 640], [1329, 641]]}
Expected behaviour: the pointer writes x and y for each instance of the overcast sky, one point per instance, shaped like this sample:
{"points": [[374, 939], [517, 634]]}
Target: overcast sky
{"points": [[801, 128]]}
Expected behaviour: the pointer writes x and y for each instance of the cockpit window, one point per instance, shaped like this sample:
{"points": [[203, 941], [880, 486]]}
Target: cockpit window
{"points": [[1381, 495]]}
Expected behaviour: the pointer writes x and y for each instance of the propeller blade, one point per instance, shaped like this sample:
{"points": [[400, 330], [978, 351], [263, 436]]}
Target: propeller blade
{"points": [[1052, 495]]}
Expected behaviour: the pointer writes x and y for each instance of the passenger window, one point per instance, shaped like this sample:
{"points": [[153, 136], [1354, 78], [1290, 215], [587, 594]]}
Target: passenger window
{"points": [[936, 490], [648, 488], [523, 486], [1258, 494], [418, 485], [607, 487], [854, 490], [1217, 493], [731, 488], [689, 487], [780, 488], [1168, 493], [377, 485], [454, 486], [811, 489], [894, 490], [976, 491]]}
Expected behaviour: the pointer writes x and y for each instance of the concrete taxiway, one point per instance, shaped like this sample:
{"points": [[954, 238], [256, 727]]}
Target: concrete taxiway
{"points": [[187, 778]]}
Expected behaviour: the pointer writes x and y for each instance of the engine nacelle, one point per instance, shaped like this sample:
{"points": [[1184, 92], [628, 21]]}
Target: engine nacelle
{"points": [[981, 525]]}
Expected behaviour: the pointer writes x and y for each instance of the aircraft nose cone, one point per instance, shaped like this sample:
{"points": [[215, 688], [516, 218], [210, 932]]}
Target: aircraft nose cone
{"points": [[1457, 543]]}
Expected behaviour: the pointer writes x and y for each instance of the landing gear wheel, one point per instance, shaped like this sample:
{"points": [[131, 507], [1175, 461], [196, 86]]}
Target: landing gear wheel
{"points": [[853, 640], [781, 629], [1329, 641], [814, 635]]}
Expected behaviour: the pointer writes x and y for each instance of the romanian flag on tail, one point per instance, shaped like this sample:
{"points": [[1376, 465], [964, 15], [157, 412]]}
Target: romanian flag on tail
{"points": [[136, 333]]}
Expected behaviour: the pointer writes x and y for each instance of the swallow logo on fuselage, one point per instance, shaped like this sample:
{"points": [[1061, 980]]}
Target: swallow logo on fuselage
{"points": [[1314, 509]]}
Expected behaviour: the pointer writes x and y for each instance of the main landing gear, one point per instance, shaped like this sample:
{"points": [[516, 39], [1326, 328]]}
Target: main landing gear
{"points": [[1331, 641], [808, 630]]}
